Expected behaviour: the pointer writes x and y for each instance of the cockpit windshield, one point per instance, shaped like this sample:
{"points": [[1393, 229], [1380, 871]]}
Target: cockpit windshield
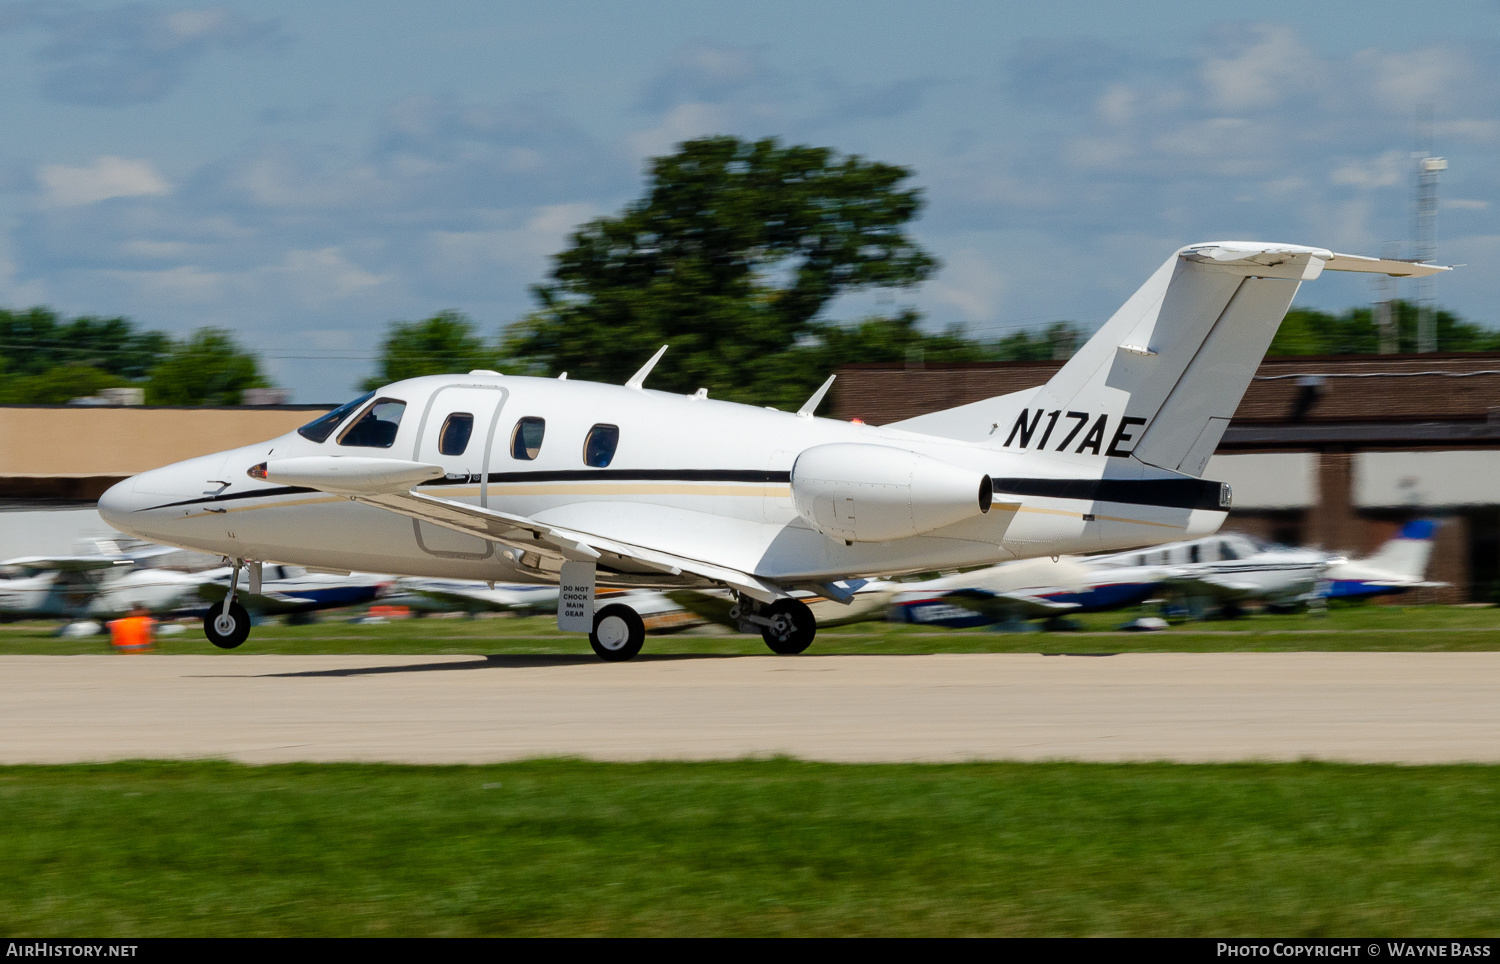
{"points": [[320, 428]]}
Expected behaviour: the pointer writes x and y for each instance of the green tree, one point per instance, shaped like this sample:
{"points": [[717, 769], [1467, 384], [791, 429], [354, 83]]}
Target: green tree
{"points": [[37, 340], [442, 344], [729, 257], [209, 368], [57, 386], [1306, 331], [1056, 342]]}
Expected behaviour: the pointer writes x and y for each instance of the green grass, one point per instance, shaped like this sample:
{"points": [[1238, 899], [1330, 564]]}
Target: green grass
{"points": [[750, 847], [1364, 628]]}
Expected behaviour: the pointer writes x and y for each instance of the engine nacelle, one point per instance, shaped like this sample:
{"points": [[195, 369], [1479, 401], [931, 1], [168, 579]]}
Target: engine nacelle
{"points": [[874, 493]]}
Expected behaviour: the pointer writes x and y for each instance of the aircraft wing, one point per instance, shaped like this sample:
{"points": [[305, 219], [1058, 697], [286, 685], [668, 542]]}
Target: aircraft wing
{"points": [[1004, 605], [66, 563], [1219, 587], [545, 539], [389, 484]]}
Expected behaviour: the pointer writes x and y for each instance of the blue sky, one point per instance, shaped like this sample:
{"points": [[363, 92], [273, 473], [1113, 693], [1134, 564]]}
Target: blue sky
{"points": [[306, 173]]}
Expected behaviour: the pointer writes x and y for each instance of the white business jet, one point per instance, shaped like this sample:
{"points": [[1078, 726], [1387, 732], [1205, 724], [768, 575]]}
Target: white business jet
{"points": [[492, 477]]}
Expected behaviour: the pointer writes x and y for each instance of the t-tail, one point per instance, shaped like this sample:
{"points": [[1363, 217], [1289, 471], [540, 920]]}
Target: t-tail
{"points": [[1159, 382]]}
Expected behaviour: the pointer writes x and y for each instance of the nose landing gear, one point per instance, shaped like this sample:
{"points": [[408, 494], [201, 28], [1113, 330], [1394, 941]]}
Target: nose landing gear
{"points": [[228, 626]]}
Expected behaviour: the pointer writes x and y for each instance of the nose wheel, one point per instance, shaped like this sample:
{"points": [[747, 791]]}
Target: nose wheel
{"points": [[226, 629], [228, 625], [618, 633]]}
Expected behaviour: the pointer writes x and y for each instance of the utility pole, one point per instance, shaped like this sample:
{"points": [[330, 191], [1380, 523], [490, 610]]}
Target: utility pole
{"points": [[1428, 169]]}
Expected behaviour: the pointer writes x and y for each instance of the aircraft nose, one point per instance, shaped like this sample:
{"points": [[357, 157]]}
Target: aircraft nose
{"points": [[123, 505], [116, 504]]}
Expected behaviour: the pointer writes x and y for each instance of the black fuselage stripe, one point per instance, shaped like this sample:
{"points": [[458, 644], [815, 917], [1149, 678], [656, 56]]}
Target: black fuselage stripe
{"points": [[634, 475], [232, 496], [1164, 493]]}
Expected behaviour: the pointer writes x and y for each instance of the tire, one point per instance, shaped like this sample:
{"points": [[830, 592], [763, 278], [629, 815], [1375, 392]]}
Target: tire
{"points": [[618, 633], [226, 631], [792, 627]]}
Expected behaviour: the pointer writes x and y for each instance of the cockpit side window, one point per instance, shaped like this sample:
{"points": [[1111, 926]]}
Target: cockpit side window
{"points": [[1226, 551], [321, 427], [376, 428], [454, 438], [599, 447], [526, 438]]}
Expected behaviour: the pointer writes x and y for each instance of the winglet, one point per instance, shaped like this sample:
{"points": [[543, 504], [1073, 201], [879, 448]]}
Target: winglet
{"points": [[639, 378], [811, 405]]}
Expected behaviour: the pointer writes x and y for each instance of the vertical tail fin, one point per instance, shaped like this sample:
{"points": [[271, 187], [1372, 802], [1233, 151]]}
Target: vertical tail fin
{"points": [[1408, 553], [1161, 379]]}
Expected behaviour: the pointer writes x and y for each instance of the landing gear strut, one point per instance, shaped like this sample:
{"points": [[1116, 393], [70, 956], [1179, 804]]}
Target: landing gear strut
{"points": [[229, 625], [787, 625]]}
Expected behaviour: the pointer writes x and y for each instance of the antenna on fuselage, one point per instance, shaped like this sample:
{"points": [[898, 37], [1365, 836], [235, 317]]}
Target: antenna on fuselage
{"points": [[639, 378], [563, 377], [811, 405]]}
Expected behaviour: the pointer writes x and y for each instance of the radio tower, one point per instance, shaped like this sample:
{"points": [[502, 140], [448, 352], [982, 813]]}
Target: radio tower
{"points": [[1428, 169]]}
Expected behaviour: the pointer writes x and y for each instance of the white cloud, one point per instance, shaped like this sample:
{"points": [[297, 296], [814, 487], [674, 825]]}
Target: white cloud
{"points": [[1468, 129], [1390, 168], [323, 274], [524, 249], [1259, 74], [108, 177], [184, 284], [681, 123], [970, 283], [1406, 81]]}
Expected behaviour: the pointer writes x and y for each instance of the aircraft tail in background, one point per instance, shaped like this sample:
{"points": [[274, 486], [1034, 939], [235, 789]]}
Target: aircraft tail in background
{"points": [[1397, 566], [1161, 379], [1407, 554]]}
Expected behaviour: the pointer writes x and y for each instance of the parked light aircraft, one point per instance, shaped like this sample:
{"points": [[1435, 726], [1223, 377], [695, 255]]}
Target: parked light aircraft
{"points": [[293, 591], [1229, 569], [513, 479], [94, 586], [659, 613]]}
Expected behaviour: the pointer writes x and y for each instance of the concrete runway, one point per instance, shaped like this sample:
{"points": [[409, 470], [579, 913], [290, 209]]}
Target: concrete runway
{"points": [[1370, 707]]}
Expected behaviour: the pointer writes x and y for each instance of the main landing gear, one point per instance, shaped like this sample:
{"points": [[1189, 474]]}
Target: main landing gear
{"points": [[787, 625], [228, 626], [618, 634]]}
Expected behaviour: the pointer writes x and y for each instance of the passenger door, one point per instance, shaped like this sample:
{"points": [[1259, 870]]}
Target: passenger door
{"points": [[457, 431]]}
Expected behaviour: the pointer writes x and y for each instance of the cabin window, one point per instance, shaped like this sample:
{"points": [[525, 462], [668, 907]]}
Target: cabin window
{"points": [[321, 427], [1195, 553], [376, 428], [599, 447], [454, 437], [526, 439]]}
